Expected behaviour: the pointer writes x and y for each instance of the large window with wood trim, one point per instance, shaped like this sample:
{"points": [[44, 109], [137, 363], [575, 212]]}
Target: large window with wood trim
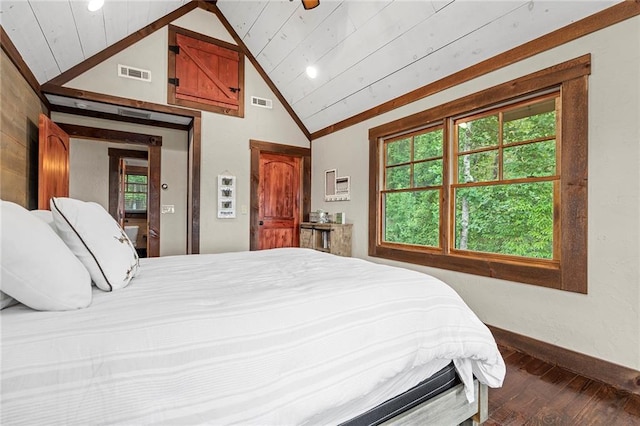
{"points": [[492, 184]]}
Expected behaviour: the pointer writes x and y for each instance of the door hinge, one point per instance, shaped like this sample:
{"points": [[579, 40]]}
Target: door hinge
{"points": [[175, 49], [174, 81], [234, 89]]}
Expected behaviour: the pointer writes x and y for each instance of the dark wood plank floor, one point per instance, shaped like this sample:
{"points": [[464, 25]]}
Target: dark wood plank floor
{"points": [[537, 393]]}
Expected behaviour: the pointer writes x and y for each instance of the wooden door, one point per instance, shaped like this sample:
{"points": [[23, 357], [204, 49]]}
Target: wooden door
{"points": [[279, 201], [53, 162]]}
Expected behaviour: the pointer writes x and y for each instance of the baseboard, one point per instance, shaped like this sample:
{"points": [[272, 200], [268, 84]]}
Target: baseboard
{"points": [[615, 375]]}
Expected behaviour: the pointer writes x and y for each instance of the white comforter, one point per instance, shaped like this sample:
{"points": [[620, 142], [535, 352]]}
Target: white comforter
{"points": [[284, 336]]}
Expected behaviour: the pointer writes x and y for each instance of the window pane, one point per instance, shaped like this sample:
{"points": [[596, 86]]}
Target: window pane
{"points": [[479, 133], [531, 160], [399, 151], [530, 122], [412, 217], [479, 167], [136, 179], [427, 173], [428, 145], [135, 202], [398, 177], [514, 219]]}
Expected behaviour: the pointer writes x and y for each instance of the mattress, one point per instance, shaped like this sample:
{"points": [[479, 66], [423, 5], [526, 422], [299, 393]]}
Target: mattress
{"points": [[441, 381], [283, 336]]}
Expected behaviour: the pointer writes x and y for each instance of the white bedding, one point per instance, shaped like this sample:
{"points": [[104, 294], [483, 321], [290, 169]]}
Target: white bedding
{"points": [[283, 336]]}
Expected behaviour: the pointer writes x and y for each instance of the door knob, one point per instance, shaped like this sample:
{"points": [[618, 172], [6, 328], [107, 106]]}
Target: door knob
{"points": [[261, 223]]}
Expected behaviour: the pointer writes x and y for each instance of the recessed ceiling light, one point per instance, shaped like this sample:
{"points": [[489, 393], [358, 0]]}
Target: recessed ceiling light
{"points": [[312, 72], [95, 5]]}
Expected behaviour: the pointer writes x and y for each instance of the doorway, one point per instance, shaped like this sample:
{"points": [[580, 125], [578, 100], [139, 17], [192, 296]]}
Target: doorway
{"points": [[151, 149], [129, 194], [280, 194]]}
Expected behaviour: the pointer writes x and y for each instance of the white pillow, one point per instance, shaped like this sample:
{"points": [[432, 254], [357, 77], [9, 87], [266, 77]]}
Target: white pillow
{"points": [[46, 216], [38, 269], [6, 300], [97, 240]]}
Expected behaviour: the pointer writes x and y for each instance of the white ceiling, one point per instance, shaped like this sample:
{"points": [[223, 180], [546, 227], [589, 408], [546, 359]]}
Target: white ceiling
{"points": [[366, 52]]}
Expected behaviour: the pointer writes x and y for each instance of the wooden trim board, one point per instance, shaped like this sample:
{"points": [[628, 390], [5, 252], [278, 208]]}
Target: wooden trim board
{"points": [[607, 372]]}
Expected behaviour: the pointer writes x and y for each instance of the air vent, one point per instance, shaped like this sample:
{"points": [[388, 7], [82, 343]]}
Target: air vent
{"points": [[134, 114], [261, 102], [134, 73]]}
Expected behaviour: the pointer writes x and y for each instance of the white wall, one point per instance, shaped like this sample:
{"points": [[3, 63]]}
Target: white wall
{"points": [[605, 323], [89, 173], [225, 139]]}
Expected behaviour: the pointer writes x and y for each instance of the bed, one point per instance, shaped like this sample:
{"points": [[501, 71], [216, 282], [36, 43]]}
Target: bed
{"points": [[278, 337]]}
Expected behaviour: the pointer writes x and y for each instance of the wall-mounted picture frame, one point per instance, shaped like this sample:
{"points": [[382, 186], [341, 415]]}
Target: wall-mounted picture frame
{"points": [[226, 196]]}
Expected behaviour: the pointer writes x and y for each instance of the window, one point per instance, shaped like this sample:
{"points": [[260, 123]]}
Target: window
{"points": [[135, 194], [492, 184]]}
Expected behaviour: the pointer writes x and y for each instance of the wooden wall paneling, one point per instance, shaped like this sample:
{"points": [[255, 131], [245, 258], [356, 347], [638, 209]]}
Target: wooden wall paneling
{"points": [[261, 71], [17, 15], [617, 13], [18, 134], [119, 46], [381, 62], [59, 29]]}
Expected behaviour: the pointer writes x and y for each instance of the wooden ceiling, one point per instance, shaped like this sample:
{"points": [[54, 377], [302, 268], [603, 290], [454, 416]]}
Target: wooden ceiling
{"points": [[366, 52]]}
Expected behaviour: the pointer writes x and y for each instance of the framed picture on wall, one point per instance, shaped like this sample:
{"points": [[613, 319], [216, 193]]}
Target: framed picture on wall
{"points": [[226, 196]]}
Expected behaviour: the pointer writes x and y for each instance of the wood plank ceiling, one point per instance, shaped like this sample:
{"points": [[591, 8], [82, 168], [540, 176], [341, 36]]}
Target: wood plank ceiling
{"points": [[366, 52]]}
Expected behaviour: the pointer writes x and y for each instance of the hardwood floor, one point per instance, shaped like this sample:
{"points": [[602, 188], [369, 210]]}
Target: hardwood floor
{"points": [[538, 393]]}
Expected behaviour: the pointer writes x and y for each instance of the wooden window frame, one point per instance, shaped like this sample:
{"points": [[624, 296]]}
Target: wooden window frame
{"points": [[567, 272], [172, 99]]}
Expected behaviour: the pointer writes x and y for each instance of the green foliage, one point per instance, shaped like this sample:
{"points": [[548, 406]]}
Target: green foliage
{"points": [[508, 219], [514, 219], [427, 173], [428, 145], [399, 151], [531, 160], [413, 217], [479, 133]]}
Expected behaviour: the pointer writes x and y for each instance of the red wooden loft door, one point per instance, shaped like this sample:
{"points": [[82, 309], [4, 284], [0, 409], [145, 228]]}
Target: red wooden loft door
{"points": [[207, 73], [279, 201]]}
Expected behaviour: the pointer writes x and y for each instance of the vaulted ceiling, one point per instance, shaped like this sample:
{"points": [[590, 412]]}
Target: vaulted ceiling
{"points": [[366, 52]]}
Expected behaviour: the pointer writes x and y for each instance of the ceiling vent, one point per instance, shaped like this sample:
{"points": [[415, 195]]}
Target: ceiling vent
{"points": [[134, 73], [134, 114], [261, 102]]}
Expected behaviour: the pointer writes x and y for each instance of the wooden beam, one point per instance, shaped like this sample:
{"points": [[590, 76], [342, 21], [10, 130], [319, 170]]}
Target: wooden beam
{"points": [[107, 135], [116, 100], [116, 117], [610, 16]]}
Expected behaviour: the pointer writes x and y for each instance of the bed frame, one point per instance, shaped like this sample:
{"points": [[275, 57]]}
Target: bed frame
{"points": [[448, 408]]}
